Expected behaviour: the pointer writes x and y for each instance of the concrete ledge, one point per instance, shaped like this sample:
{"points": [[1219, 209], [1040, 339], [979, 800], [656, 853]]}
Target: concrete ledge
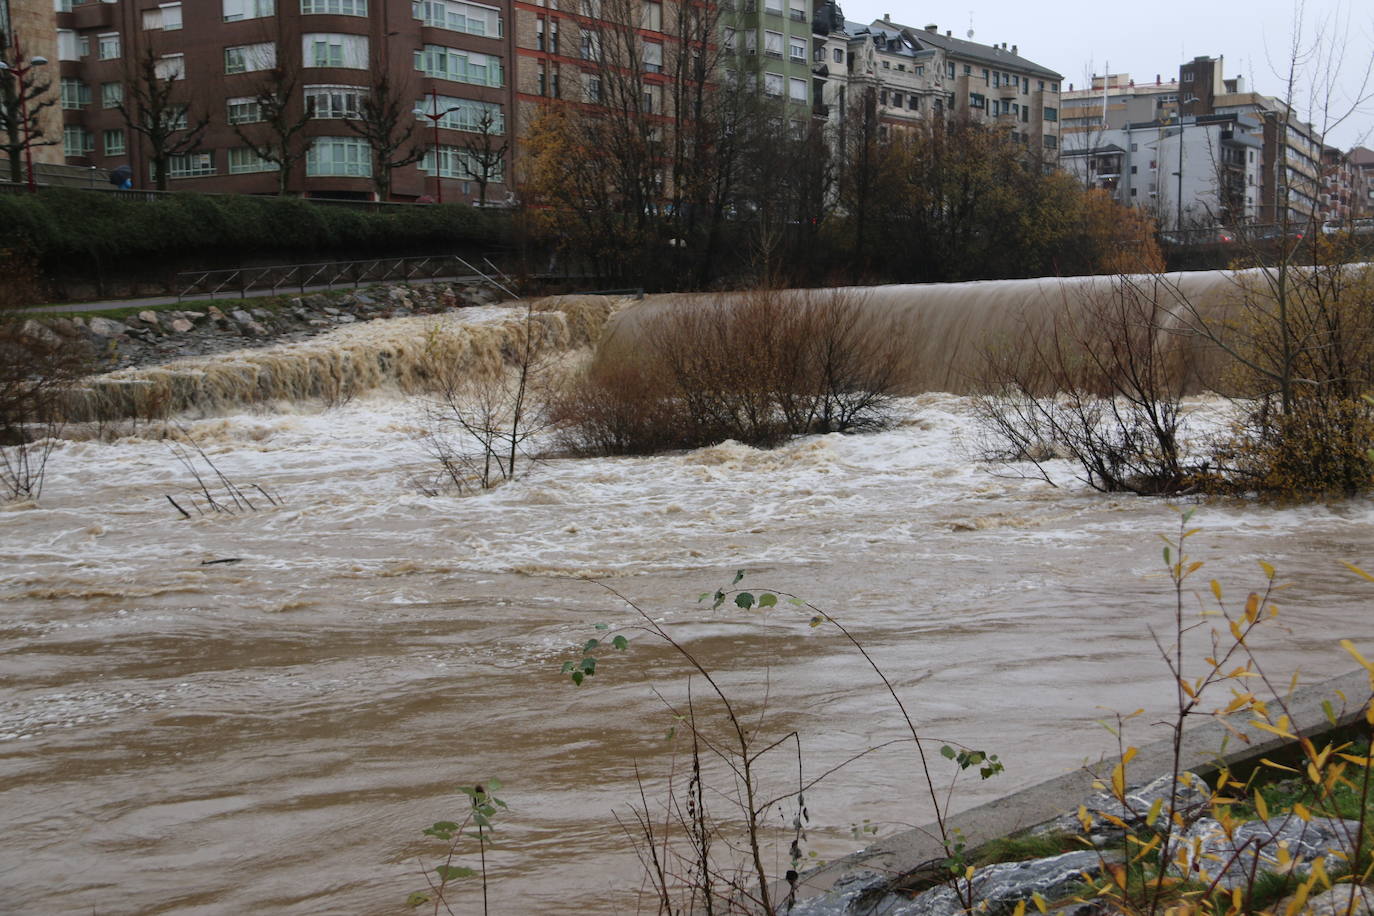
{"points": [[1208, 746]]}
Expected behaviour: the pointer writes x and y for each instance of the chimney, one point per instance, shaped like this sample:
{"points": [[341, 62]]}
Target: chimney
{"points": [[887, 17], [948, 33], [1156, 79], [933, 28], [1014, 50]]}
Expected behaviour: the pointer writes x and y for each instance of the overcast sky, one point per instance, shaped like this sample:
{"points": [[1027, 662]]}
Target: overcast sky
{"points": [[1079, 37]]}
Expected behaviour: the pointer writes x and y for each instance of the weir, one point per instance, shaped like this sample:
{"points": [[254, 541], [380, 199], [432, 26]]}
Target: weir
{"points": [[945, 332]]}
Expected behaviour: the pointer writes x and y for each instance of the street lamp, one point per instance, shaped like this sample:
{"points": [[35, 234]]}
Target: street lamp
{"points": [[21, 70], [1178, 226], [435, 116]]}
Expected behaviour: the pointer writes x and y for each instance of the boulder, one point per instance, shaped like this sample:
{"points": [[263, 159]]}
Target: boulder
{"points": [[107, 327], [1334, 902], [1208, 851], [1190, 801], [38, 333], [182, 325], [149, 317]]}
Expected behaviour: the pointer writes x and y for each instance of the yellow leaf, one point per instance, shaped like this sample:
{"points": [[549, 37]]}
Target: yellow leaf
{"points": [[1261, 806], [1349, 646], [968, 873], [1113, 820], [1148, 847], [1281, 729], [1268, 569], [1301, 811], [1359, 572], [1188, 690], [1252, 604], [1155, 807], [1358, 761], [1236, 633], [1119, 781], [1020, 908], [1216, 589], [1278, 766], [1085, 819], [1039, 902], [1129, 755]]}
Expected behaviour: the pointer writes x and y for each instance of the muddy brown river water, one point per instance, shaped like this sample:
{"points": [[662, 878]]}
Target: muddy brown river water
{"points": [[272, 735]]}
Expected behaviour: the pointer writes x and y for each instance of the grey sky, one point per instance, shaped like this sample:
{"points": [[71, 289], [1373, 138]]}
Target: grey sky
{"points": [[1078, 37]]}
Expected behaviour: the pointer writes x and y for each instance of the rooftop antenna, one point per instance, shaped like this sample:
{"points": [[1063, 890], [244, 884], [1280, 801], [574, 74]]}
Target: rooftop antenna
{"points": [[970, 26]]}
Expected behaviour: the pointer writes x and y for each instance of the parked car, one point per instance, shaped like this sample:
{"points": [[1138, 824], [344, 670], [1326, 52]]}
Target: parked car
{"points": [[1354, 227]]}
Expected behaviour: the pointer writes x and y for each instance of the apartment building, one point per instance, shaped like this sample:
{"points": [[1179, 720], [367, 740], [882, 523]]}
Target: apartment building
{"points": [[1289, 157], [324, 58], [914, 74], [30, 22], [1189, 172]]}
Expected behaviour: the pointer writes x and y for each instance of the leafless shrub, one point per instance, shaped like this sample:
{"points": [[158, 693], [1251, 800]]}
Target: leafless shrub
{"points": [[1101, 384], [757, 370]]}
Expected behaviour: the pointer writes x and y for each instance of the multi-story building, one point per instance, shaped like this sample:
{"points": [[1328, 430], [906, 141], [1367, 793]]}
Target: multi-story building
{"points": [[375, 63], [769, 44], [914, 74], [30, 22], [1361, 160], [1289, 156], [1189, 172]]}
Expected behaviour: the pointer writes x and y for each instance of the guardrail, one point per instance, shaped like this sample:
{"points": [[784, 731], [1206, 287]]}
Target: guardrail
{"points": [[324, 275]]}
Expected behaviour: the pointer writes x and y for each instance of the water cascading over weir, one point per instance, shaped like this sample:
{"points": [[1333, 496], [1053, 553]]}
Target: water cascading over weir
{"points": [[945, 331]]}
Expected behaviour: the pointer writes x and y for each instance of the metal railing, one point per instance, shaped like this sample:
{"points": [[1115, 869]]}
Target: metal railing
{"points": [[325, 275]]}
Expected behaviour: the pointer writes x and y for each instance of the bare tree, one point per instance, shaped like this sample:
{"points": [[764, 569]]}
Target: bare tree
{"points": [[17, 95], [484, 156], [386, 122], [156, 105], [278, 136]]}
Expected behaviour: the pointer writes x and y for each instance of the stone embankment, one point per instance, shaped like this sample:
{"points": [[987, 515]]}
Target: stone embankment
{"points": [[206, 328]]}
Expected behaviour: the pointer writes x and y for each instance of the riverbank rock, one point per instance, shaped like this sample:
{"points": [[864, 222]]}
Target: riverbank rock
{"points": [[1190, 802], [1335, 902], [159, 336], [1279, 844], [996, 889]]}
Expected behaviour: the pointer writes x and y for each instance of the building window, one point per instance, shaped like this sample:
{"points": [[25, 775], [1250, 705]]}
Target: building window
{"points": [[472, 115], [235, 10], [1051, 114], [248, 58], [460, 66], [887, 65], [949, 70], [112, 141], [457, 16], [190, 165], [651, 19], [882, 97], [67, 45], [1051, 141], [977, 100], [543, 78], [913, 102], [75, 94], [243, 160], [772, 85], [170, 67], [335, 7], [653, 57], [346, 156], [796, 89], [111, 95], [77, 140], [323, 50], [460, 163], [772, 44], [796, 49], [591, 46], [773, 6], [243, 110], [107, 47], [593, 88], [166, 17], [334, 101]]}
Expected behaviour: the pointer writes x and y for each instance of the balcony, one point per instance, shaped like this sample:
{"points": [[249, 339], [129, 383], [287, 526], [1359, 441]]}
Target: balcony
{"points": [[820, 110]]}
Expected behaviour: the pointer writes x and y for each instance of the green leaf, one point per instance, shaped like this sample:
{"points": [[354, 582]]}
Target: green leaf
{"points": [[795, 602], [672, 733], [577, 678], [493, 784], [703, 596], [744, 600], [767, 599], [739, 574], [621, 643], [817, 620], [1167, 561], [602, 626], [589, 665], [419, 898], [719, 600], [452, 872], [567, 666], [948, 752], [590, 645]]}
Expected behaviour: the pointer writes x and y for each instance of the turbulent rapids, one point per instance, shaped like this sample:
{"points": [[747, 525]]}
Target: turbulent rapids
{"points": [[271, 735]]}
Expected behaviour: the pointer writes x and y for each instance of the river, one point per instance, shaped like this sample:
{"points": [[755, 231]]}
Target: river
{"points": [[272, 734]]}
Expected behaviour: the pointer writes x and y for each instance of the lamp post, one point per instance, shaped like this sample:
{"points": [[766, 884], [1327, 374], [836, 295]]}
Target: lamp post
{"points": [[435, 116], [1178, 226], [21, 70]]}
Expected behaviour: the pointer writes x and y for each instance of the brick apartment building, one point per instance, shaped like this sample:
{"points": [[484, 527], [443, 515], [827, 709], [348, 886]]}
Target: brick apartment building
{"points": [[32, 22], [448, 57]]}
